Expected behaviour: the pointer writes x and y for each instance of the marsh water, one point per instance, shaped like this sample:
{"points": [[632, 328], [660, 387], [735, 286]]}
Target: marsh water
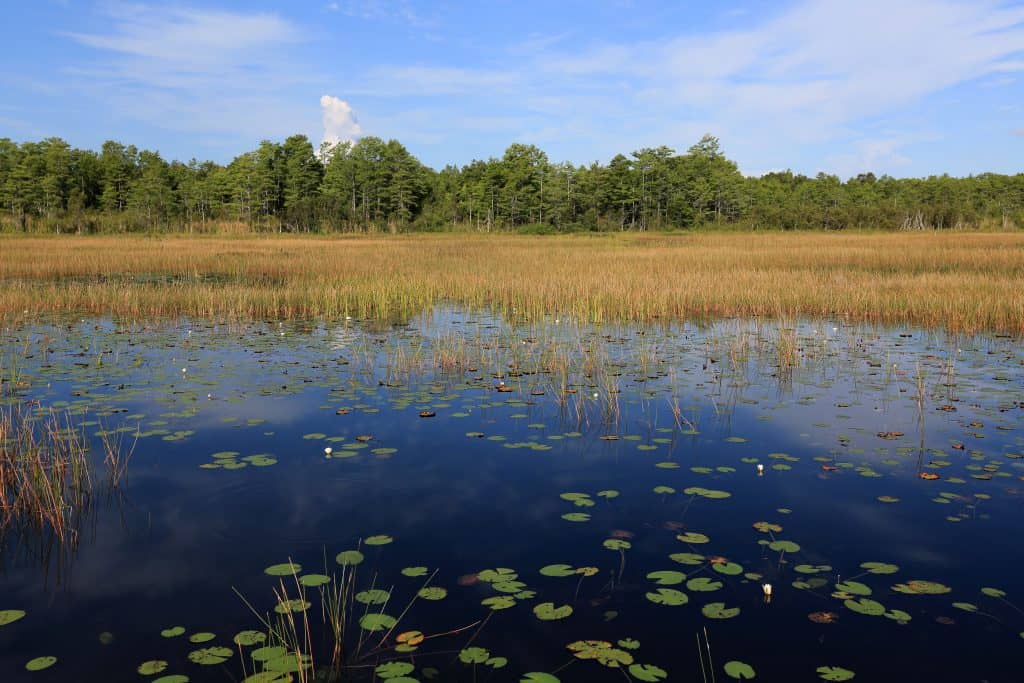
{"points": [[585, 500]]}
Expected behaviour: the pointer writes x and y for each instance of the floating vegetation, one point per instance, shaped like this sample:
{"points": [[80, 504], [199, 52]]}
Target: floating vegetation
{"points": [[302, 470]]}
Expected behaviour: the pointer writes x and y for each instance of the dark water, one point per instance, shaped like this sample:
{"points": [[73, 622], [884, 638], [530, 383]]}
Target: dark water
{"points": [[169, 546]]}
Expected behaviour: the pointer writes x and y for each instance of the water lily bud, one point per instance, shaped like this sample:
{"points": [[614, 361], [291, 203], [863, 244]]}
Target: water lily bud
{"points": [[760, 468], [328, 450], [767, 588]]}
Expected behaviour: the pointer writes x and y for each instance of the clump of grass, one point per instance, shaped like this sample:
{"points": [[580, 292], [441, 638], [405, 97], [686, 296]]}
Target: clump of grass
{"points": [[45, 480], [965, 282]]}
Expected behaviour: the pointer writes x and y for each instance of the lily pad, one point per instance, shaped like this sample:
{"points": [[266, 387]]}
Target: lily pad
{"points": [[669, 597], [647, 672], [666, 577], [208, 656], [872, 608], [377, 622], [546, 611], [349, 558], [834, 673], [392, 670], [741, 671], [249, 638], [433, 593], [152, 667], [284, 569], [718, 610], [473, 655], [703, 584], [414, 572], [9, 616], [40, 663], [558, 570]]}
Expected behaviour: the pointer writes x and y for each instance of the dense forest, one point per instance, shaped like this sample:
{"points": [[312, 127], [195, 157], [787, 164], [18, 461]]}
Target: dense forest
{"points": [[373, 185]]}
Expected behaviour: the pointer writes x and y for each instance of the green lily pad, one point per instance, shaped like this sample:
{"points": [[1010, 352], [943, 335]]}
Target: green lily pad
{"points": [[834, 673], [741, 671], [647, 672], [201, 637], [152, 667], [378, 540], [693, 537], [558, 570], [703, 584], [879, 567], [392, 670], [539, 677], [9, 616], [666, 577], [919, 587], [40, 663], [433, 593], [546, 611], [853, 588], [249, 638], [292, 606], [784, 546], [866, 606], [692, 559], [727, 568], [576, 516], [898, 615], [414, 572], [617, 544], [499, 602], [349, 558], [718, 610], [173, 632], [669, 597], [314, 580], [473, 655], [497, 575], [285, 569], [208, 656], [373, 596], [377, 622], [994, 592]]}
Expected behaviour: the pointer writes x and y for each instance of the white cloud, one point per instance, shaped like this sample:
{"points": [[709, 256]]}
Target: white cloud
{"points": [[869, 155], [221, 73], [813, 73], [340, 124], [186, 36]]}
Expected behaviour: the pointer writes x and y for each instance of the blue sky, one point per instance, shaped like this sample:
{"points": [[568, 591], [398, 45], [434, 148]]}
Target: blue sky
{"points": [[905, 87]]}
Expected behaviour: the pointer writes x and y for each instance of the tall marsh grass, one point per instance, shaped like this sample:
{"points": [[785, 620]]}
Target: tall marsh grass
{"points": [[965, 282], [45, 478]]}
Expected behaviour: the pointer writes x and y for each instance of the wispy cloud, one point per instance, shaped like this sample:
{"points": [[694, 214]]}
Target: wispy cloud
{"points": [[803, 76], [197, 70]]}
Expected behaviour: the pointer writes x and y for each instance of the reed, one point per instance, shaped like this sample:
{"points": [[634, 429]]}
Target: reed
{"points": [[965, 282], [45, 480]]}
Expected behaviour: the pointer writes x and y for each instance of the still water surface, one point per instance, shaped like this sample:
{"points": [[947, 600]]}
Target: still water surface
{"points": [[843, 420]]}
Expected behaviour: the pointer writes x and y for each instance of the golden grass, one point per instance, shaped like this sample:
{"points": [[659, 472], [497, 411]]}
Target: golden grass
{"points": [[965, 282]]}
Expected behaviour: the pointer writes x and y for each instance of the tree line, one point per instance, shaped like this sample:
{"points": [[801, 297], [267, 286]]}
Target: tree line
{"points": [[375, 185]]}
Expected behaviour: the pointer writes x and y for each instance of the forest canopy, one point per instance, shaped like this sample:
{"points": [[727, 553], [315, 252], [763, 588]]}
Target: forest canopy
{"points": [[376, 185]]}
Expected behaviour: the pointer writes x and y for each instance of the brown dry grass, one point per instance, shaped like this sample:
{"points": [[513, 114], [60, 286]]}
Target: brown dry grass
{"points": [[962, 281]]}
